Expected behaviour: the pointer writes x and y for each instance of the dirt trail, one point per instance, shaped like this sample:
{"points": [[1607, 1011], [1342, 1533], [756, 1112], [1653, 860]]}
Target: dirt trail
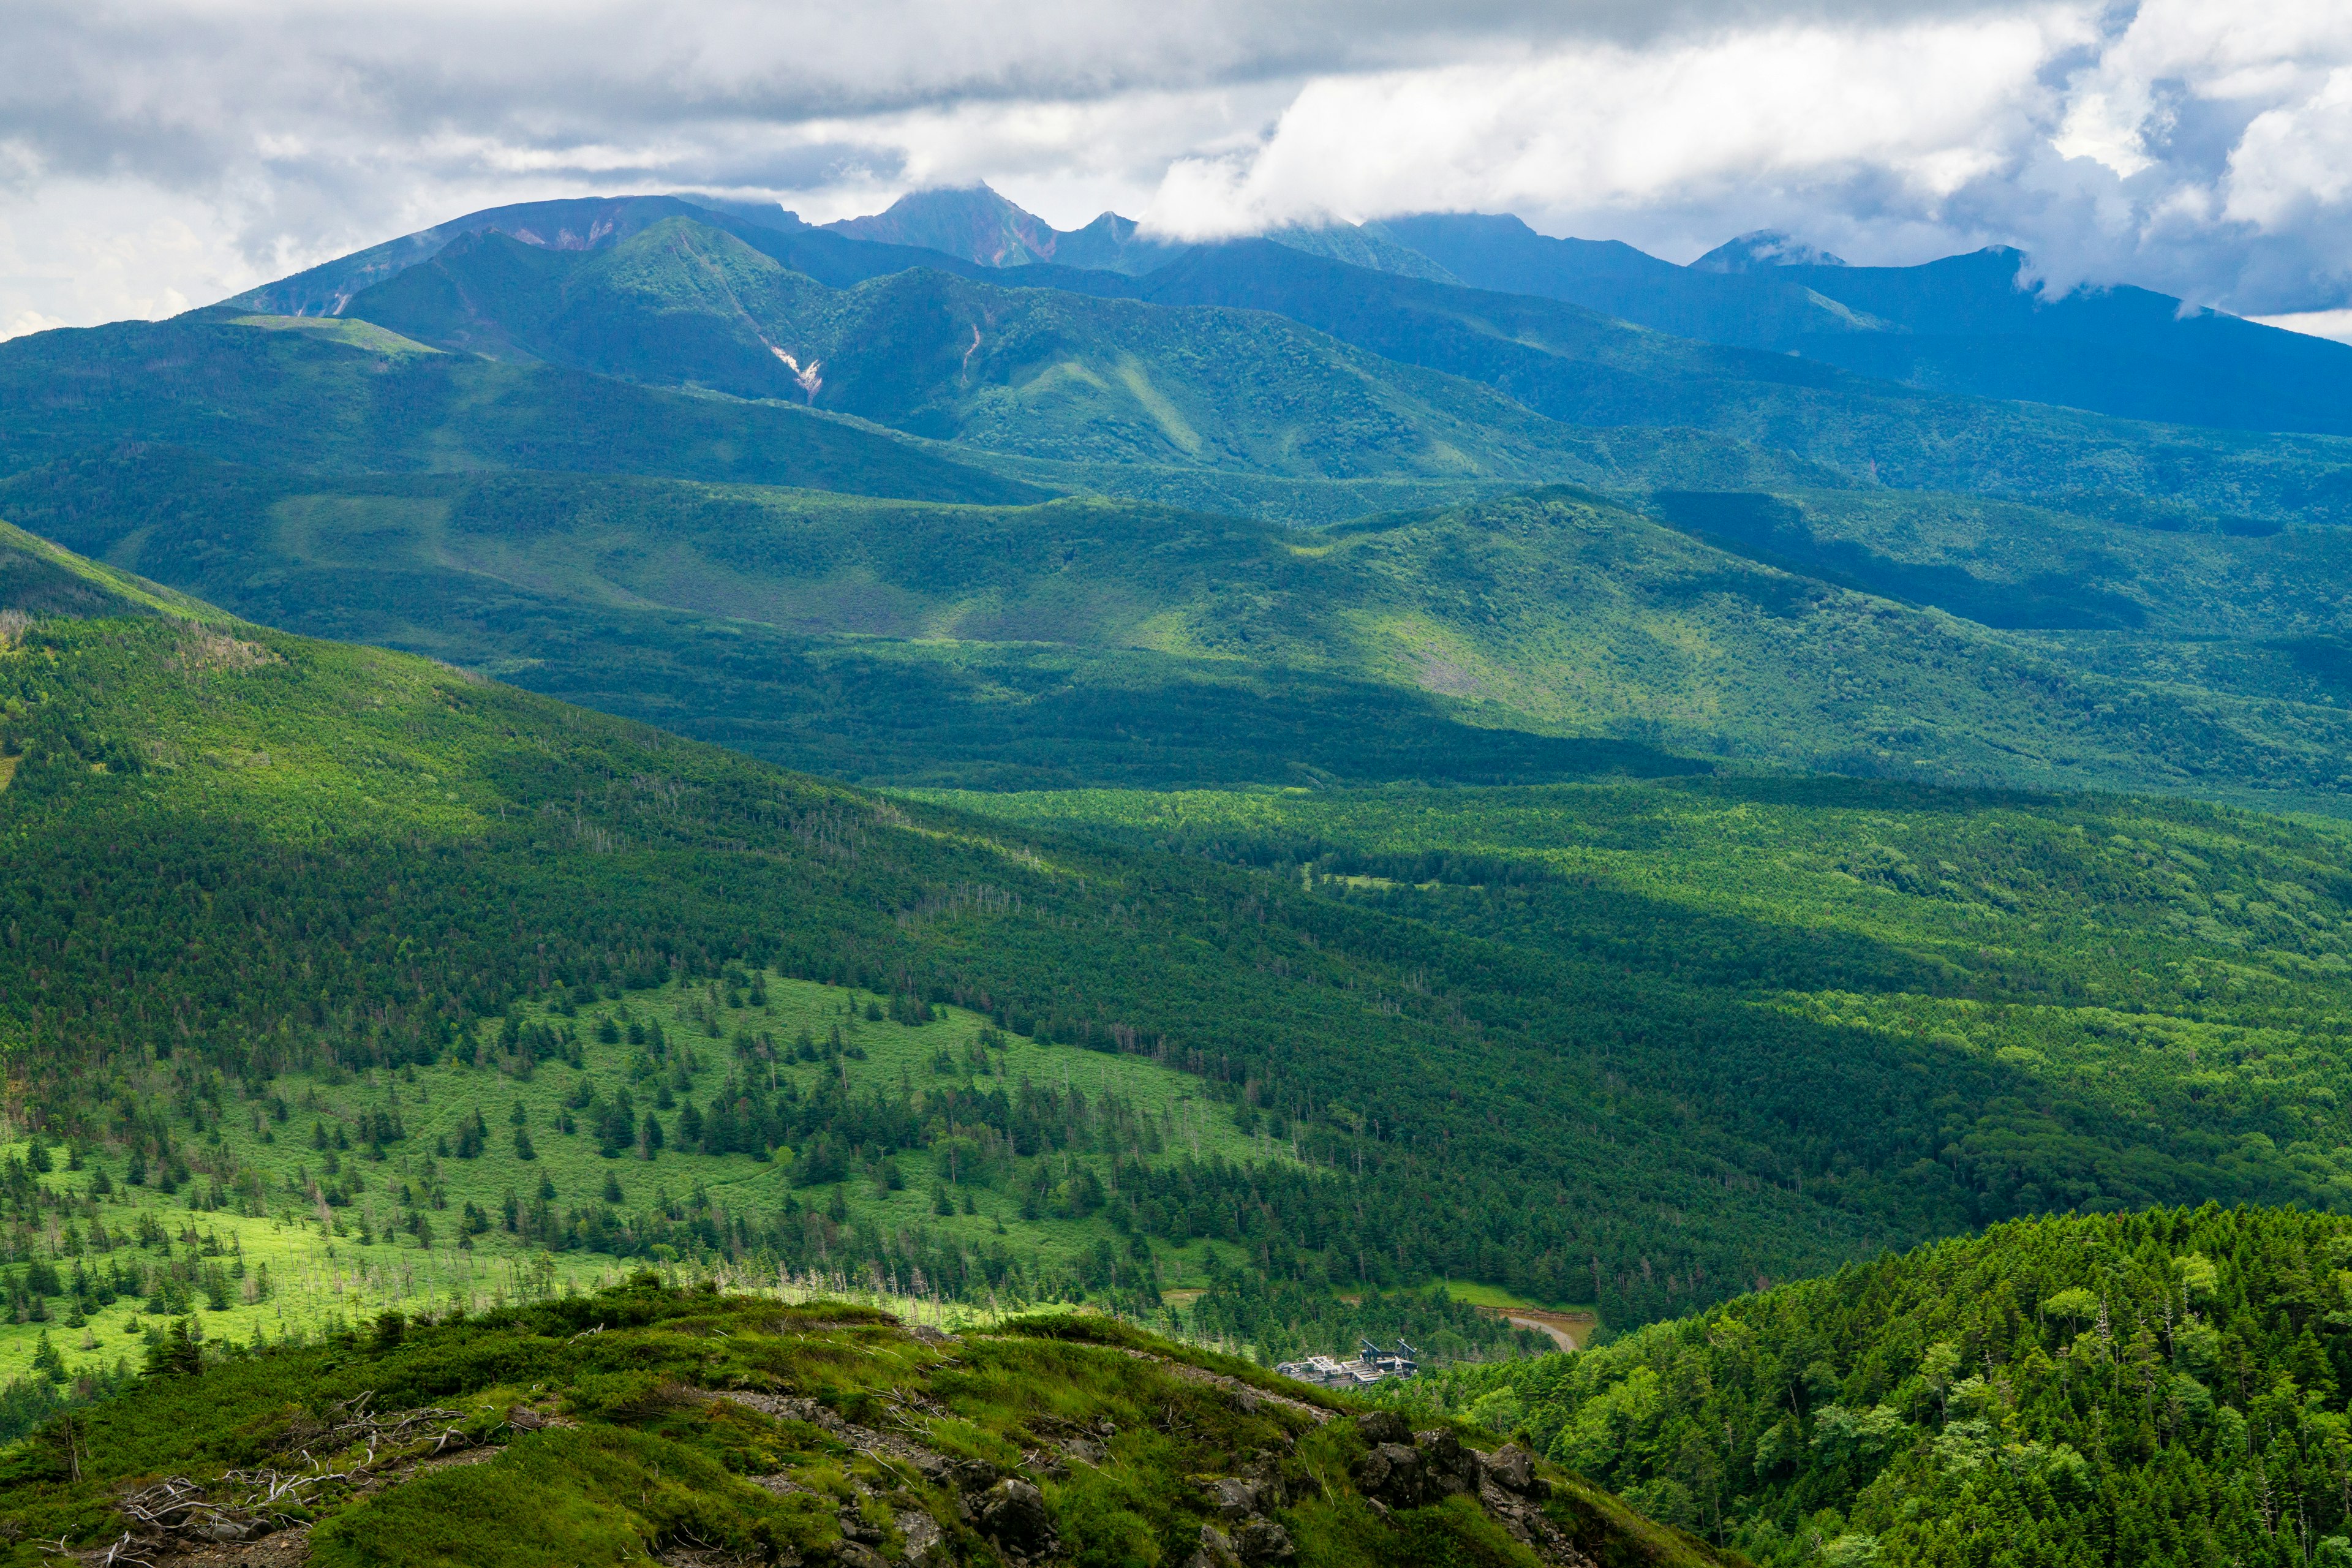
{"points": [[1569, 1331]]}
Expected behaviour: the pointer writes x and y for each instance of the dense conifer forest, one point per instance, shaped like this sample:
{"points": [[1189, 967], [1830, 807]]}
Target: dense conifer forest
{"points": [[2159, 1388]]}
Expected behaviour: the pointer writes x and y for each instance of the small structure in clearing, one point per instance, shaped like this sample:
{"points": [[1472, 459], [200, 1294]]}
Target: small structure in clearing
{"points": [[1371, 1366]]}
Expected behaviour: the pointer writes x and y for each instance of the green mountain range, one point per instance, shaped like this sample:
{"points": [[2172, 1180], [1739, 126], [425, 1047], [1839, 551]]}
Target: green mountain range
{"points": [[1981, 324], [353, 502], [580, 779]]}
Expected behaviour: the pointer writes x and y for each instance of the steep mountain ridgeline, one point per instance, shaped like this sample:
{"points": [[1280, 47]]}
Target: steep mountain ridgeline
{"points": [[1042, 373], [2155, 1388], [591, 223], [1979, 324]]}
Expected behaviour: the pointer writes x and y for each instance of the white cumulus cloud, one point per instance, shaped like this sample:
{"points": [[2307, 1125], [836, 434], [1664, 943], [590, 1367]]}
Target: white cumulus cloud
{"points": [[156, 153]]}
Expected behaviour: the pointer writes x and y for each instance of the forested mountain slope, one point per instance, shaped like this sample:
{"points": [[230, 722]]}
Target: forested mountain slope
{"points": [[354, 858], [407, 853], [1521, 328], [1042, 372], [2155, 1388], [2118, 963], [1089, 641], [1586, 368], [329, 395]]}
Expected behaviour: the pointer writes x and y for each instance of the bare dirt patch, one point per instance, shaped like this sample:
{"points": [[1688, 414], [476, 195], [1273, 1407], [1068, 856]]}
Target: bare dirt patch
{"points": [[1569, 1331]]}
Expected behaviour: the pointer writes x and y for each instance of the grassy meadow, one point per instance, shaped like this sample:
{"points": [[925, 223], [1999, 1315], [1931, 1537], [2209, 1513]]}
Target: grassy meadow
{"points": [[320, 1223]]}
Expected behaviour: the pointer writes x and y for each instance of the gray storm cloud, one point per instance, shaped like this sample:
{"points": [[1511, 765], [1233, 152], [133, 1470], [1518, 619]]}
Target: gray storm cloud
{"points": [[153, 157]]}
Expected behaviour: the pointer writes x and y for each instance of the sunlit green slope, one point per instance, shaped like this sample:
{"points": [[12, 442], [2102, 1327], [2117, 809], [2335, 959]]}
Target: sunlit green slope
{"points": [[643, 1423], [331, 396], [1104, 642], [238, 853]]}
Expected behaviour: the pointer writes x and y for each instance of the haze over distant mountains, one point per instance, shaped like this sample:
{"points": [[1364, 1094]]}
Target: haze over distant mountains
{"points": [[1619, 782], [1243, 506], [1975, 323]]}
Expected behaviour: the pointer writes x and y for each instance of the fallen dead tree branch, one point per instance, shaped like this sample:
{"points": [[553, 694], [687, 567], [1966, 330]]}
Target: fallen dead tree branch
{"points": [[241, 1505], [245, 1504], [127, 1551], [348, 1424]]}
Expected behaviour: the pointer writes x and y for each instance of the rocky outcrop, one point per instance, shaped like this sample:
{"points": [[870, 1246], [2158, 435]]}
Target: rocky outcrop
{"points": [[1012, 1514], [1403, 1468]]}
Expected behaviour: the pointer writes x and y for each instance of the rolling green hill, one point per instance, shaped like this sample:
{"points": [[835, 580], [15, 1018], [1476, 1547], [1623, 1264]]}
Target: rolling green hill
{"points": [[1086, 641], [643, 1423], [2154, 1388]]}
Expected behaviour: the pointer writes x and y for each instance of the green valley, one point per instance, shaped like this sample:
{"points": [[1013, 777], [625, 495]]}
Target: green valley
{"points": [[675, 885], [1529, 637]]}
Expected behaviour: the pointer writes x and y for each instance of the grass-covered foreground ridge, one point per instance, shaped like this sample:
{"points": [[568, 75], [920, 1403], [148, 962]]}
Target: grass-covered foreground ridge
{"points": [[696, 1427], [2159, 1388]]}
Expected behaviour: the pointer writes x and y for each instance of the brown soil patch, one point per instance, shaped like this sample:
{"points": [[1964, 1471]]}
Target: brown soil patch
{"points": [[1569, 1331]]}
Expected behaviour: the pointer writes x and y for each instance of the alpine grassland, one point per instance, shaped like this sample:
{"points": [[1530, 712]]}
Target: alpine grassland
{"points": [[641, 1422]]}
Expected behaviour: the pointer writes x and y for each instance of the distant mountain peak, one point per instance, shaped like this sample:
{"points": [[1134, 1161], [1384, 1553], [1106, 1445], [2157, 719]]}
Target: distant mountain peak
{"points": [[970, 221], [1763, 247]]}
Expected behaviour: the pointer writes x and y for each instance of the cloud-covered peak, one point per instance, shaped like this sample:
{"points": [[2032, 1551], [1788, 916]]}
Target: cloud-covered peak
{"points": [[1763, 247], [155, 155]]}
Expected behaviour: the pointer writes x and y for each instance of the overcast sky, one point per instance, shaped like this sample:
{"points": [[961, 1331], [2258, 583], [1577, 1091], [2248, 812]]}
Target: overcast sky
{"points": [[154, 157]]}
